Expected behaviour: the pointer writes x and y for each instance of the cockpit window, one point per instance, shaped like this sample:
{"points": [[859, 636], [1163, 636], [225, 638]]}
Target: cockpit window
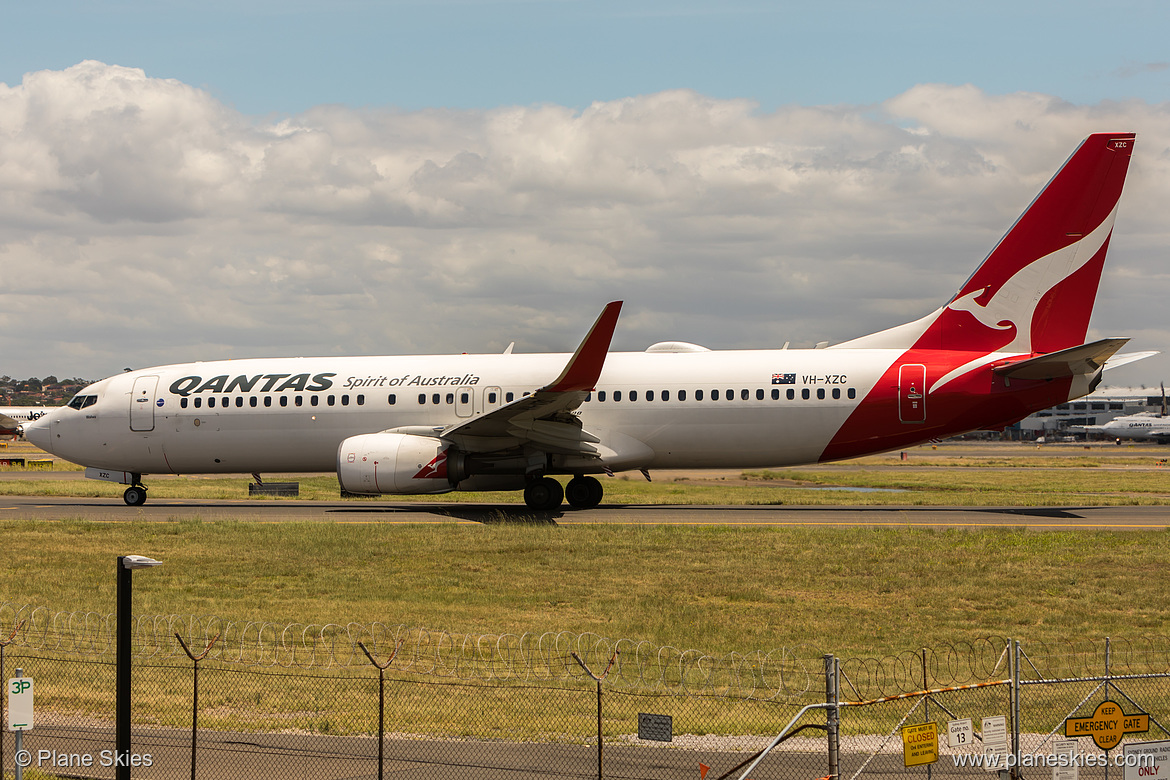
{"points": [[82, 401]]}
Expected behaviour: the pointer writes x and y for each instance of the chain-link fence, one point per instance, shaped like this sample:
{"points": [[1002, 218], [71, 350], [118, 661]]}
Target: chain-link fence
{"points": [[216, 699]]}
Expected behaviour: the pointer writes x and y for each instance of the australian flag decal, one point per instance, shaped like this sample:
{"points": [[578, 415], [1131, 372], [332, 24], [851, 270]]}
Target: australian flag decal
{"points": [[783, 379]]}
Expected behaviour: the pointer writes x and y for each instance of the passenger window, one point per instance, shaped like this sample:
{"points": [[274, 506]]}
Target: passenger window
{"points": [[745, 394], [284, 400], [314, 400], [492, 398], [836, 393], [730, 395], [360, 400], [665, 395], [714, 395], [790, 394], [601, 396], [211, 402], [820, 393], [300, 400], [617, 395], [775, 394], [182, 403], [268, 400], [464, 397], [633, 395], [510, 397], [240, 401], [332, 399], [393, 399], [252, 401], [198, 402], [759, 395], [435, 398], [852, 393], [450, 398], [682, 395], [649, 395], [698, 395], [805, 394], [422, 398], [345, 400]]}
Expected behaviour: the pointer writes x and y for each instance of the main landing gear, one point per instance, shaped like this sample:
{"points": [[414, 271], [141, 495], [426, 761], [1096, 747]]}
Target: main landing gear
{"points": [[135, 495], [546, 493]]}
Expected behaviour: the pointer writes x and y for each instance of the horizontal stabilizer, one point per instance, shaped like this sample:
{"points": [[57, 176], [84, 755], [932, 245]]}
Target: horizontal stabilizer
{"points": [[1129, 357], [1076, 361]]}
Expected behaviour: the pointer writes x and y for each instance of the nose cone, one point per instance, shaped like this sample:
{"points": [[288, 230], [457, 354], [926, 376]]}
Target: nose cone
{"points": [[38, 432]]}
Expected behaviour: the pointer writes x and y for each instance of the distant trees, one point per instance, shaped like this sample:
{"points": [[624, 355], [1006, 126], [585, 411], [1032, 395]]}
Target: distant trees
{"points": [[49, 391]]}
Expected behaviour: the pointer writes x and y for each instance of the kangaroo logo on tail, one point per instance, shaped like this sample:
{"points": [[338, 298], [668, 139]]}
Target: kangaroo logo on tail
{"points": [[1035, 291]]}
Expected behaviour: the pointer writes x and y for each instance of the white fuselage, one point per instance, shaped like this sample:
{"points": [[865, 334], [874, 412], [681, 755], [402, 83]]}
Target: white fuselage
{"points": [[691, 409]]}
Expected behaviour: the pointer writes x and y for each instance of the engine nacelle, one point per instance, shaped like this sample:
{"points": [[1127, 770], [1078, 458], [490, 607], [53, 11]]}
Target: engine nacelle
{"points": [[379, 463]]}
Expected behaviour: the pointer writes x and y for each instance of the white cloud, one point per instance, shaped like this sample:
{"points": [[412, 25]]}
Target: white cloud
{"points": [[143, 222]]}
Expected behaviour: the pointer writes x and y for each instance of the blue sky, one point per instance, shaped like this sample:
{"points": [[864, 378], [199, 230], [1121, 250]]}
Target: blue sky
{"points": [[199, 180], [288, 56]]}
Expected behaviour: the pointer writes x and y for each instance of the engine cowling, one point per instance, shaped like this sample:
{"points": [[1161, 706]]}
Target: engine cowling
{"points": [[380, 463]]}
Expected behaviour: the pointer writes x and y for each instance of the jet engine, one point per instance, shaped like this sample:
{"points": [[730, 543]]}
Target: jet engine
{"points": [[378, 463]]}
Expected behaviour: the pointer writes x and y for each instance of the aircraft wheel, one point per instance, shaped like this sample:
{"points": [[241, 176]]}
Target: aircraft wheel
{"points": [[135, 495], [584, 492], [545, 493]]}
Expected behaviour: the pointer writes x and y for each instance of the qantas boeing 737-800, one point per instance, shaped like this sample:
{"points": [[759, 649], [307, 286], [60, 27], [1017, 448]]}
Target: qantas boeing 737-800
{"points": [[1010, 342]]}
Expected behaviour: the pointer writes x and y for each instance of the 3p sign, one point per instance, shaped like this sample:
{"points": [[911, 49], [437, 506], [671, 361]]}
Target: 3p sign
{"points": [[20, 704]]}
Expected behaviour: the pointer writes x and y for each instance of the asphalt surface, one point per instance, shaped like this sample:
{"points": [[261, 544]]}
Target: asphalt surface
{"points": [[275, 511]]}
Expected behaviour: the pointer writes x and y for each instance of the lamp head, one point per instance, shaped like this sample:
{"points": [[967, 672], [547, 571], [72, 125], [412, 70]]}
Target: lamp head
{"points": [[138, 562]]}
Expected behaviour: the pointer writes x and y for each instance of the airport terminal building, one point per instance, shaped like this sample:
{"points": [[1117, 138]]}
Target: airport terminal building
{"points": [[1098, 408]]}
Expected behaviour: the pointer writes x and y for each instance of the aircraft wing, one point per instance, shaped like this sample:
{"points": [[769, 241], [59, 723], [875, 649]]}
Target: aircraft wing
{"points": [[544, 419], [1085, 359], [7, 423]]}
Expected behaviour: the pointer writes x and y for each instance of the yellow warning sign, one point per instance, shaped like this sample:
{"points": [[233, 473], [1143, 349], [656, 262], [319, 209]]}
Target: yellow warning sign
{"points": [[1107, 725], [920, 744]]}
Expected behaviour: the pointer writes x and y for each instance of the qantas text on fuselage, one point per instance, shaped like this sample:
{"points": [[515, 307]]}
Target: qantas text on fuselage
{"points": [[1009, 342]]}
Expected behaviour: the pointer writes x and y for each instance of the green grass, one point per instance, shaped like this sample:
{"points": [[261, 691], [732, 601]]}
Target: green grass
{"points": [[976, 486], [715, 588]]}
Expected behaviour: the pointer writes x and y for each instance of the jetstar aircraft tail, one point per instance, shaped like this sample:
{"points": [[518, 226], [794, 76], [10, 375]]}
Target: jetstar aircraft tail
{"points": [[1034, 293]]}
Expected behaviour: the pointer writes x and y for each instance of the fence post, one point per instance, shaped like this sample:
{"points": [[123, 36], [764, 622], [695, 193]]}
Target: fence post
{"points": [[4, 699], [381, 699], [600, 744], [195, 659], [1108, 689], [1015, 705], [926, 706], [833, 713]]}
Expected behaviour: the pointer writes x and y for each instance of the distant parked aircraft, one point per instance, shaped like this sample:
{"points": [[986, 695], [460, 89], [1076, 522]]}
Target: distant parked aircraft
{"points": [[13, 417], [1143, 425], [1010, 342]]}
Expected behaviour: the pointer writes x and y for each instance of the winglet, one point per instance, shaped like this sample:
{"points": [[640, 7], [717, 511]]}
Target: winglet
{"points": [[584, 368]]}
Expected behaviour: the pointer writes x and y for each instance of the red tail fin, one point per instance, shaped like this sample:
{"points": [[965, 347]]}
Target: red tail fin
{"points": [[1035, 291]]}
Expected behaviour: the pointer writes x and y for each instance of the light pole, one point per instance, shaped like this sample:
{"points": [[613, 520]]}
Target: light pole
{"points": [[126, 566]]}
